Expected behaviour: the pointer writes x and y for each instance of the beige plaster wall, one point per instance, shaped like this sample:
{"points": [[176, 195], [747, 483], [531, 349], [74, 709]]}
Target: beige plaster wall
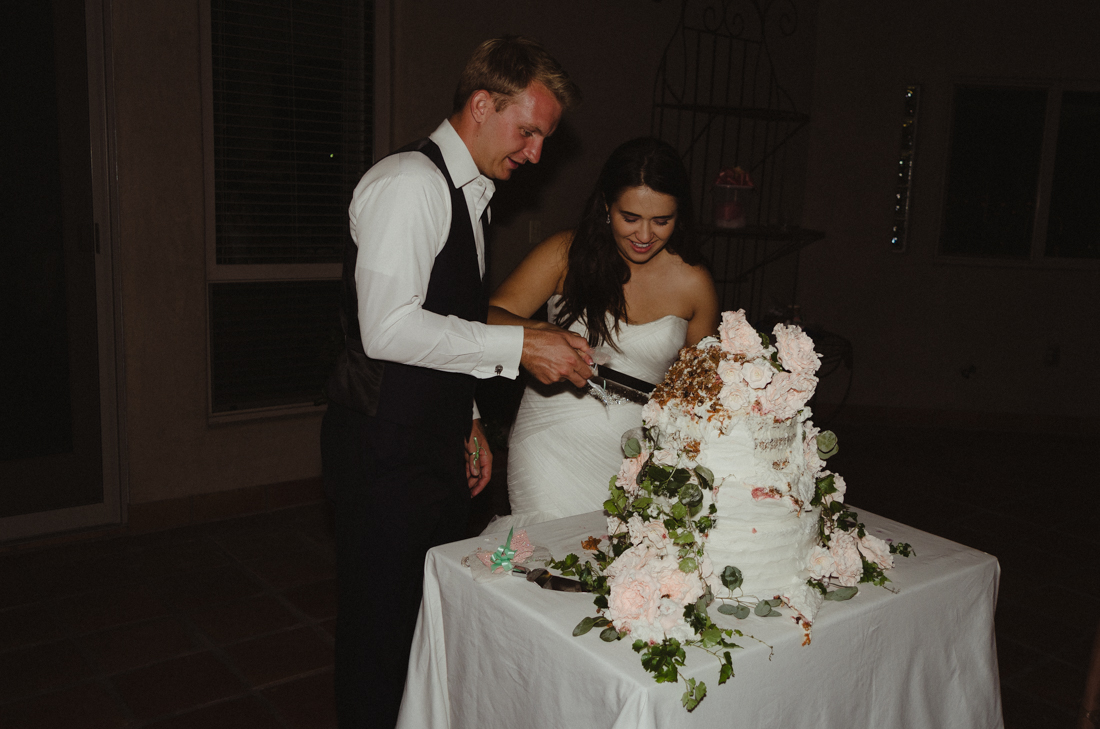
{"points": [[918, 320], [171, 450]]}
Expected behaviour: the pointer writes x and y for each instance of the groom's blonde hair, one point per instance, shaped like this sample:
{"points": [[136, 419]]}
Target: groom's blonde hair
{"points": [[506, 66]]}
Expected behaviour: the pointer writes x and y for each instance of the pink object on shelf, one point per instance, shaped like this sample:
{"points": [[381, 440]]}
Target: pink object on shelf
{"points": [[728, 212]]}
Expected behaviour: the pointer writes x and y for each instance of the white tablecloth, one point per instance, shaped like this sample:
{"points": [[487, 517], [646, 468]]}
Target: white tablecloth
{"points": [[502, 654]]}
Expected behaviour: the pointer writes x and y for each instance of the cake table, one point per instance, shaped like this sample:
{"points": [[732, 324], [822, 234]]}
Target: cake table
{"points": [[502, 653]]}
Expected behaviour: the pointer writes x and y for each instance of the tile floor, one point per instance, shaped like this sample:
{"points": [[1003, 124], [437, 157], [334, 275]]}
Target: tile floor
{"points": [[230, 624]]}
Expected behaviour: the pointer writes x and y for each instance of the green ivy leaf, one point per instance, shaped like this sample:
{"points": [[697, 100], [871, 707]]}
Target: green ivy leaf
{"points": [[902, 548], [695, 693], [688, 564], [726, 672], [679, 511], [684, 537], [842, 593], [732, 577]]}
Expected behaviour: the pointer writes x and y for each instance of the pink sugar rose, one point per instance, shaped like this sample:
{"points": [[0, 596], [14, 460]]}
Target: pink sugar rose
{"points": [[635, 596], [796, 350], [665, 457], [651, 412], [738, 336], [877, 551], [840, 486], [681, 587], [820, 563], [735, 396], [786, 394], [849, 566], [729, 371], [628, 473], [634, 558], [814, 464], [757, 373], [670, 619], [648, 533]]}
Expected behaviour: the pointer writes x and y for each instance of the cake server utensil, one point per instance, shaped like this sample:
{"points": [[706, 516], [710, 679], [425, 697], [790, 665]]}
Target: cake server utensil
{"points": [[547, 581]]}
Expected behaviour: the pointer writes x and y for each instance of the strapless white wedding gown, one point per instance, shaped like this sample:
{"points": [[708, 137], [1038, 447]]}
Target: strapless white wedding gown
{"points": [[565, 444]]}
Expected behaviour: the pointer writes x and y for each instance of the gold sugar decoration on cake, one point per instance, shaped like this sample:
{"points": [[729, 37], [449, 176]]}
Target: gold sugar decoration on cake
{"points": [[692, 379]]}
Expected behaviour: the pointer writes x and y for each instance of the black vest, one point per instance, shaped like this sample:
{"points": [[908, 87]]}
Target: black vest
{"points": [[406, 394]]}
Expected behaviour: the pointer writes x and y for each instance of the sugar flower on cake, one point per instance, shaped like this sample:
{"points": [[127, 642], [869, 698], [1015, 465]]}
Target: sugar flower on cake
{"points": [[634, 598], [738, 337], [628, 472], [796, 350], [757, 373], [877, 551], [848, 567], [820, 563], [814, 464], [652, 534]]}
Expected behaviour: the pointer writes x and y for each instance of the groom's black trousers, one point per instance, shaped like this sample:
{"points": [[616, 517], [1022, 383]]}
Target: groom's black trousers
{"points": [[396, 492]]}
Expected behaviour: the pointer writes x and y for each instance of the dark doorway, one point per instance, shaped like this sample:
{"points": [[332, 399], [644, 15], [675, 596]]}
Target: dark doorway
{"points": [[51, 447]]}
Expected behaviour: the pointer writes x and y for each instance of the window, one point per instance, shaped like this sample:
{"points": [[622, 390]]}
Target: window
{"points": [[291, 127], [1018, 182]]}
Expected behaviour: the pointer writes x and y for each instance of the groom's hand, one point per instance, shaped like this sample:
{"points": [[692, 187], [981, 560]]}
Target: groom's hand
{"points": [[553, 355], [479, 459]]}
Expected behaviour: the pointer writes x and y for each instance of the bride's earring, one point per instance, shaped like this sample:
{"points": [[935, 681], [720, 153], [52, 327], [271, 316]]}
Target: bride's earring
{"points": [[609, 218]]}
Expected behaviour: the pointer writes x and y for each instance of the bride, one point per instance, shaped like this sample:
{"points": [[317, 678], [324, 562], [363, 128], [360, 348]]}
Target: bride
{"points": [[631, 280]]}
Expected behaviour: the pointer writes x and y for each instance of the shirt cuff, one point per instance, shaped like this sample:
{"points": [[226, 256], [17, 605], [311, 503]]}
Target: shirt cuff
{"points": [[502, 352]]}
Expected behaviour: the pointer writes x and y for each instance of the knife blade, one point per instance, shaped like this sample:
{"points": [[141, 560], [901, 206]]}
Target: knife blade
{"points": [[547, 581], [621, 384]]}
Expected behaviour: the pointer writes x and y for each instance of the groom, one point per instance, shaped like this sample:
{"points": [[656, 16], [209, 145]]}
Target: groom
{"points": [[402, 447]]}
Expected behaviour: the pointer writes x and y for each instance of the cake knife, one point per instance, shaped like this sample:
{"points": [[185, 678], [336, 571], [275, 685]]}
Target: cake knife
{"points": [[547, 581], [621, 384]]}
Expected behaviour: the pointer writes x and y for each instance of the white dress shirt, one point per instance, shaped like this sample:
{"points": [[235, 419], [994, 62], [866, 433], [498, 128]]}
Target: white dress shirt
{"points": [[400, 219]]}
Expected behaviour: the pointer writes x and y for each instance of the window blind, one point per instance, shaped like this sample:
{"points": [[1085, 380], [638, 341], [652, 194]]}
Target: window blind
{"points": [[292, 97]]}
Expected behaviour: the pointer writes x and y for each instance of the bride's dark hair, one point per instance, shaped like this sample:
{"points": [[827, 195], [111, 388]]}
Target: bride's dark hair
{"points": [[597, 272]]}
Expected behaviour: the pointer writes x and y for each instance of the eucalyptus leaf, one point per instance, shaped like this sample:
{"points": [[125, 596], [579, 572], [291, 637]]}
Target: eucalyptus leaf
{"points": [[584, 626], [826, 444], [732, 577], [762, 608], [774, 614], [842, 593], [691, 494], [632, 448], [741, 612], [774, 602]]}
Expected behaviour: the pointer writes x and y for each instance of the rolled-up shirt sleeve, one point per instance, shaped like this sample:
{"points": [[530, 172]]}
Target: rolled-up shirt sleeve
{"points": [[400, 218]]}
